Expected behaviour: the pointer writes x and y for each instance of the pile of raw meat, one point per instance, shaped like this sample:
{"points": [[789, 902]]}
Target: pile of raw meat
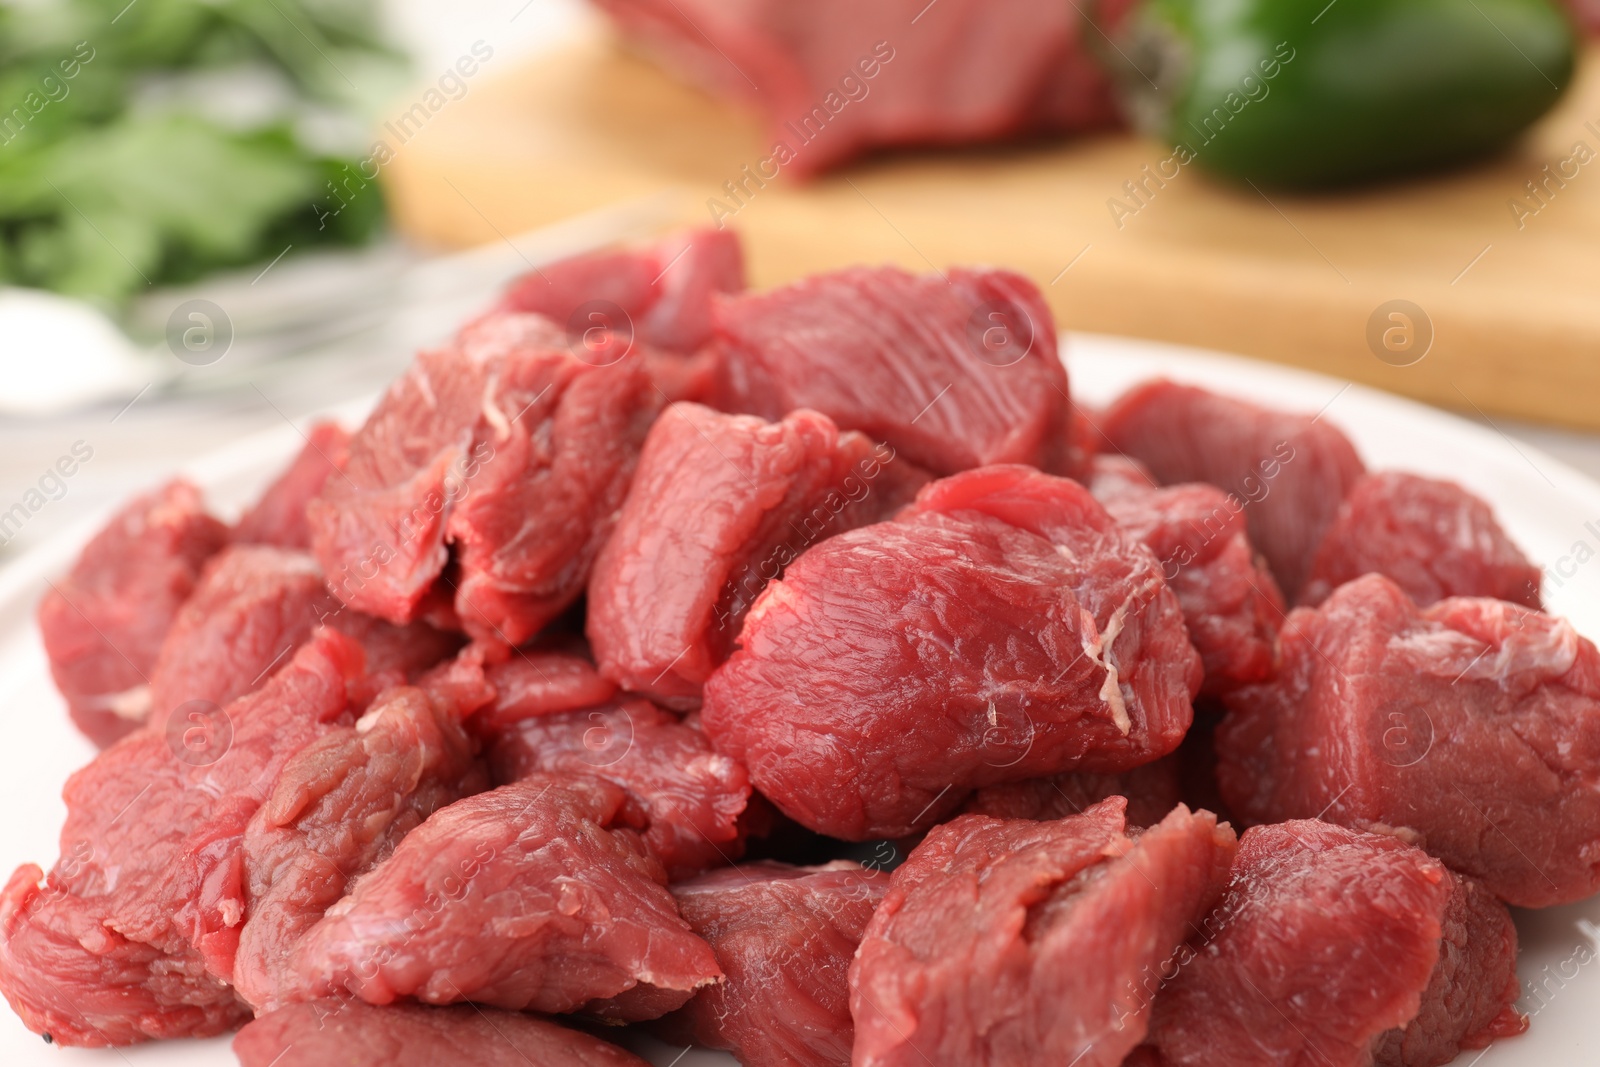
{"points": [[804, 674]]}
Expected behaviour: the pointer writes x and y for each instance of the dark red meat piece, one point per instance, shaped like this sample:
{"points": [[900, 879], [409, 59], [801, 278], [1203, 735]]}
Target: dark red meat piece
{"points": [[686, 797], [1002, 628], [520, 898], [1474, 722], [1333, 945], [1287, 472], [1230, 601], [784, 937], [1434, 538], [720, 505], [103, 623], [1151, 792], [953, 371], [338, 809], [836, 79], [279, 517], [505, 448], [1021, 942], [345, 1033]]}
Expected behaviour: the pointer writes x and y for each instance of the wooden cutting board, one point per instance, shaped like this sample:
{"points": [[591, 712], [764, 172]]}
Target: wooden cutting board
{"points": [[1514, 304]]}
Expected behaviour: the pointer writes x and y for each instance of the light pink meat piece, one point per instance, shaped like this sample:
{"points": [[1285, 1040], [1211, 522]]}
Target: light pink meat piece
{"points": [[719, 506], [279, 516], [1018, 942], [1474, 722], [103, 623], [520, 898]]}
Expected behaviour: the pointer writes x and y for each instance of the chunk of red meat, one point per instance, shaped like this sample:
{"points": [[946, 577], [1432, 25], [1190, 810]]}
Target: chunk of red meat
{"points": [[784, 937], [542, 680], [836, 79], [104, 623], [720, 505], [1287, 472], [348, 1033], [1331, 946], [1230, 601], [521, 898], [686, 797], [279, 516], [338, 809], [1151, 792], [1013, 942], [152, 853], [664, 288], [1434, 538], [953, 371], [1002, 628], [504, 447], [1474, 722]]}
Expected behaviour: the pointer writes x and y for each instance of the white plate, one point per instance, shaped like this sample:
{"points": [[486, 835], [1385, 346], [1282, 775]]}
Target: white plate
{"points": [[1544, 505]]}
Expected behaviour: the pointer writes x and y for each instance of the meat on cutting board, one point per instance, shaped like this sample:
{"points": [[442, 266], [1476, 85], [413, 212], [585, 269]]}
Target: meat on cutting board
{"points": [[1434, 538], [1021, 942], [103, 623], [954, 371], [784, 937], [1473, 722], [348, 1033], [1336, 948], [1287, 472], [1001, 628], [835, 79], [719, 505], [278, 517]]}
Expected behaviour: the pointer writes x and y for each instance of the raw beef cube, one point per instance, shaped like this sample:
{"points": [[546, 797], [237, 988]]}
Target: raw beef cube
{"points": [[836, 79], [719, 505], [1002, 628], [687, 799], [338, 809], [1335, 948], [1151, 792], [1287, 472], [1473, 722], [104, 623], [784, 937], [522, 898], [279, 517], [346, 1033], [1230, 601], [1013, 943], [1435, 539], [549, 677], [505, 454], [953, 371], [151, 858]]}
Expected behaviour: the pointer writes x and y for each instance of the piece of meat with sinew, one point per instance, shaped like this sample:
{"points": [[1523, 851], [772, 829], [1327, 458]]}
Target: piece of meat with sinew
{"points": [[1337, 948], [1151, 792], [348, 1033], [1473, 722], [103, 623], [147, 892], [1230, 600], [338, 809], [527, 897], [687, 799], [279, 516], [719, 506], [1287, 472], [784, 937], [836, 79], [1001, 628], [954, 371], [1433, 538], [507, 454], [1012, 942]]}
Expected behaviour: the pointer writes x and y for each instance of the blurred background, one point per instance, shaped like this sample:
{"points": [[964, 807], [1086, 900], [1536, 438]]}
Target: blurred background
{"points": [[218, 216]]}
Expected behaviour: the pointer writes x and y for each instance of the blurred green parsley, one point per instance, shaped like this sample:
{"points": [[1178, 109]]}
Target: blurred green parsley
{"points": [[151, 142]]}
